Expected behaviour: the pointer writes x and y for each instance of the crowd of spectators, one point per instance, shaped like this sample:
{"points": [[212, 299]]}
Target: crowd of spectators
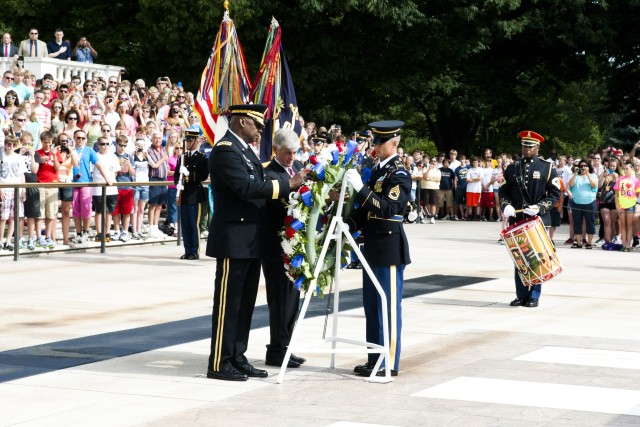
{"points": [[111, 130], [601, 189], [97, 130]]}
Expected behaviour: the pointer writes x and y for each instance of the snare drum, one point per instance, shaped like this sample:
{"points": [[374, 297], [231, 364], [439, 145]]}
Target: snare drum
{"points": [[531, 251]]}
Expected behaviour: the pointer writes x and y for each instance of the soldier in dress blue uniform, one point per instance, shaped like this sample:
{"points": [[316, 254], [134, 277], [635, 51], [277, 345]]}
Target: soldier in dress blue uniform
{"points": [[529, 187], [386, 249], [240, 189], [282, 297], [193, 168]]}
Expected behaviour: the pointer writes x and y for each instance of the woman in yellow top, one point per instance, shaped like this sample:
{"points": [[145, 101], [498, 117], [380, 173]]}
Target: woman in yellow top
{"points": [[627, 188]]}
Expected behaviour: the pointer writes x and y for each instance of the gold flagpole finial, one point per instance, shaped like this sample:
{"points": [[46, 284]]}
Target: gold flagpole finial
{"points": [[226, 5]]}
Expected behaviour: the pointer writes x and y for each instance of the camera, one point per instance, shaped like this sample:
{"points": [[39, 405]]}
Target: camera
{"points": [[139, 149], [64, 149], [77, 177]]}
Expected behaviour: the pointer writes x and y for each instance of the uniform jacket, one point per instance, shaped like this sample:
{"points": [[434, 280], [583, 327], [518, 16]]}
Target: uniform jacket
{"points": [[539, 185], [239, 188], [276, 210], [198, 168], [382, 204]]}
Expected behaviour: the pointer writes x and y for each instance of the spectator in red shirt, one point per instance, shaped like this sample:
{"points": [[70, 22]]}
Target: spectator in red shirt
{"points": [[50, 159]]}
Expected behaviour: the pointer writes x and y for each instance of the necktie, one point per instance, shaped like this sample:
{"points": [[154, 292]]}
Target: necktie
{"points": [[6, 50], [290, 170], [33, 49]]}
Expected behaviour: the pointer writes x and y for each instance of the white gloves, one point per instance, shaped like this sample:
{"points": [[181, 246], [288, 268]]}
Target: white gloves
{"points": [[184, 171], [179, 187], [532, 210], [509, 211], [353, 179]]}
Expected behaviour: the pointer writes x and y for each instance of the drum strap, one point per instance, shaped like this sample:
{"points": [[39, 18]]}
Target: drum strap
{"points": [[521, 187]]}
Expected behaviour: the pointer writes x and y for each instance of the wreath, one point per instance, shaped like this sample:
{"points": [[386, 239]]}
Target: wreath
{"points": [[308, 218]]}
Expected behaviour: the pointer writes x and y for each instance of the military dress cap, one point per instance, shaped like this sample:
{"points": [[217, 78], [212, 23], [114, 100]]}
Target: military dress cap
{"points": [[361, 137], [530, 138], [385, 130], [254, 111], [321, 138], [191, 133]]}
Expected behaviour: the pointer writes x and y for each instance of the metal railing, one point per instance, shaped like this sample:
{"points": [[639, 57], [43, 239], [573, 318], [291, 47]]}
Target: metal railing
{"points": [[103, 219]]}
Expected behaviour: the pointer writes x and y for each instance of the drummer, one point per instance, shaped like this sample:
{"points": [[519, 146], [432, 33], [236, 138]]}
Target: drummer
{"points": [[530, 187]]}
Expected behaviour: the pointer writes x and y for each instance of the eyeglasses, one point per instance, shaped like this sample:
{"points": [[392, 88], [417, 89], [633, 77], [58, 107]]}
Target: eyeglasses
{"points": [[64, 141], [177, 148], [64, 91], [21, 120], [181, 96], [8, 78], [33, 34], [102, 144], [80, 138], [122, 145], [72, 118], [57, 107]]}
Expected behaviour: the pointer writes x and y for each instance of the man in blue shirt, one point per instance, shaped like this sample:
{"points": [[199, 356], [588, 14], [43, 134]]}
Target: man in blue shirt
{"points": [[58, 48], [83, 51]]}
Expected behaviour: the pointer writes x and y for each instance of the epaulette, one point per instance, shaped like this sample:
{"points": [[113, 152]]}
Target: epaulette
{"points": [[265, 164], [224, 144]]}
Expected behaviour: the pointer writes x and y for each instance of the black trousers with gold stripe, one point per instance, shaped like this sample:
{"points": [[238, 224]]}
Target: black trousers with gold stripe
{"points": [[234, 299]]}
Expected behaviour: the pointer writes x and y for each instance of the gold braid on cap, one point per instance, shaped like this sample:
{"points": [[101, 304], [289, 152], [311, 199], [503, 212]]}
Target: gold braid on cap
{"points": [[259, 117], [385, 133]]}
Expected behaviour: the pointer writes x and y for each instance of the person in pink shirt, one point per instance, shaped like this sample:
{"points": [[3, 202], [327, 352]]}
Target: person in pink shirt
{"points": [[42, 113], [627, 188]]}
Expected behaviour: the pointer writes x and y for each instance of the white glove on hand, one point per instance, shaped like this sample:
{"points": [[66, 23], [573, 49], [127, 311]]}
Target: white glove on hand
{"points": [[184, 171], [353, 179], [179, 187], [532, 210], [509, 211]]}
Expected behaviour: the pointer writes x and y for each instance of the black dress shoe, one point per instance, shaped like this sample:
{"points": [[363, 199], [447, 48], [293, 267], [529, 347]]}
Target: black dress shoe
{"points": [[227, 372], [184, 256], [252, 372], [278, 362], [191, 257], [367, 366], [366, 372], [533, 302], [518, 302], [297, 359]]}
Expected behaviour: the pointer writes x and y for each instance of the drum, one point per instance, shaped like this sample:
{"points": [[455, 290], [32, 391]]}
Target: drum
{"points": [[531, 251]]}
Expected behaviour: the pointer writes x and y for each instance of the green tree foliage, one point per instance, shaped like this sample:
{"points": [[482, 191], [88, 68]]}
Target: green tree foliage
{"points": [[461, 73]]}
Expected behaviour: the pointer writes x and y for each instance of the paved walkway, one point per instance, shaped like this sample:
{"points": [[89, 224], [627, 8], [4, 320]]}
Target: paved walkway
{"points": [[122, 339]]}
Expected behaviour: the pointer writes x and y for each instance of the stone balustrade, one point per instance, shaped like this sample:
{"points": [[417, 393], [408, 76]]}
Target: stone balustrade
{"points": [[62, 70]]}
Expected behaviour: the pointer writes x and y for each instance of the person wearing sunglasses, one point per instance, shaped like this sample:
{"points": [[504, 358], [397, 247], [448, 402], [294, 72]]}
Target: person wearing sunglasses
{"points": [[82, 174], [5, 85], [124, 204], [11, 102], [32, 47], [71, 122]]}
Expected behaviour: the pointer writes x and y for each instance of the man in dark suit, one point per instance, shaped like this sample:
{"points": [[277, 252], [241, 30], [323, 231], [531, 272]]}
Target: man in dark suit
{"points": [[531, 186], [386, 248], [8, 50], [240, 188], [193, 168], [282, 296]]}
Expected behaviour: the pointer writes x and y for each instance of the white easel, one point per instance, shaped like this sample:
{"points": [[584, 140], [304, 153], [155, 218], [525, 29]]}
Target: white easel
{"points": [[337, 229]]}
